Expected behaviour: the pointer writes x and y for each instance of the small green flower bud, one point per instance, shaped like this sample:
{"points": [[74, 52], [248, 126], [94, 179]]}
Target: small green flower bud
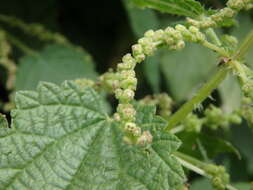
{"points": [[139, 58], [192, 123], [128, 94], [137, 50], [236, 4], [227, 12], [169, 41], [129, 83], [127, 74], [128, 59], [125, 66], [126, 111], [116, 117], [235, 118], [208, 22], [180, 27], [193, 22], [180, 45], [147, 45], [184, 31], [124, 95], [149, 33], [193, 29], [145, 138], [132, 129], [158, 36]]}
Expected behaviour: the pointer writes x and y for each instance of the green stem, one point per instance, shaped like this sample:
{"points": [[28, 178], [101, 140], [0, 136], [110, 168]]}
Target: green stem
{"points": [[217, 49], [20, 45], [212, 35], [190, 159], [196, 166], [245, 46], [203, 93], [206, 90]]}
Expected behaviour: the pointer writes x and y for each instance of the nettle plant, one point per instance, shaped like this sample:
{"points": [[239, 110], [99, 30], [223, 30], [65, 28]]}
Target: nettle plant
{"points": [[62, 137]]}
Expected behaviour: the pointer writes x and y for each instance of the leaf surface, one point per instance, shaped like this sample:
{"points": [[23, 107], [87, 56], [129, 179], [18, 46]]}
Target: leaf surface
{"points": [[190, 8], [62, 139], [55, 63]]}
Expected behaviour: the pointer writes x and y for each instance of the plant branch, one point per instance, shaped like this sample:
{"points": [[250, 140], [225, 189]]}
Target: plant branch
{"points": [[20, 45], [212, 35], [215, 48], [206, 90], [196, 166], [245, 46], [203, 93]]}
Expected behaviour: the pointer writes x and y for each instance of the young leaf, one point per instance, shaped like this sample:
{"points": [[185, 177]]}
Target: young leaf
{"points": [[190, 8], [55, 63], [61, 138]]}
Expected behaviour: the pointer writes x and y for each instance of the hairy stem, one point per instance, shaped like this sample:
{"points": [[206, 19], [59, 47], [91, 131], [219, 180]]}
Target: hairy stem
{"points": [[214, 82], [217, 49], [196, 166], [212, 35], [20, 45], [245, 46], [203, 93]]}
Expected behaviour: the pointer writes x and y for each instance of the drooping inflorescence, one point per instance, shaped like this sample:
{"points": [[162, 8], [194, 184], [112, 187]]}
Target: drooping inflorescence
{"points": [[123, 82], [233, 7]]}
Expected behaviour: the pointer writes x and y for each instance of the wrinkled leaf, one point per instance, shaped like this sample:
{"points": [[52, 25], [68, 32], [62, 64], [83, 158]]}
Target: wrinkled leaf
{"points": [[186, 70], [136, 18], [61, 138], [190, 8], [55, 63], [213, 145]]}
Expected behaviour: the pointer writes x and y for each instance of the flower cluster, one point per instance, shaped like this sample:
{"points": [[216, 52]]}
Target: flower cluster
{"points": [[163, 101], [37, 30], [219, 176], [123, 82], [233, 7], [192, 123], [214, 118]]}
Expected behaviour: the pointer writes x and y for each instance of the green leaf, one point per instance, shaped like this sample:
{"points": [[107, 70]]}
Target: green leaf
{"points": [[202, 183], [230, 94], [186, 70], [242, 137], [244, 26], [61, 138], [212, 145], [190, 8], [141, 21], [55, 63]]}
